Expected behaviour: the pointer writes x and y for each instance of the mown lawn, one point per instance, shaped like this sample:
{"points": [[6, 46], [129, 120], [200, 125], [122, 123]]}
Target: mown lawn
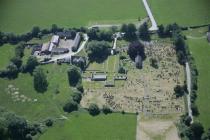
{"points": [[82, 126], [200, 50], [183, 12], [48, 104], [6, 53], [20, 16]]}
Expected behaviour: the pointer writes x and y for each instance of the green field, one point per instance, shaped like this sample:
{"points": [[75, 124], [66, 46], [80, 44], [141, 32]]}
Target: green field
{"points": [[20, 16], [183, 12], [200, 50], [82, 126], [6, 53], [48, 104]]}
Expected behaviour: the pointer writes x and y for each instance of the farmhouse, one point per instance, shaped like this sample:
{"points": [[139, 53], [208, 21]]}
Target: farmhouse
{"points": [[138, 62], [45, 48], [77, 40], [98, 77], [48, 47], [55, 40], [57, 51]]}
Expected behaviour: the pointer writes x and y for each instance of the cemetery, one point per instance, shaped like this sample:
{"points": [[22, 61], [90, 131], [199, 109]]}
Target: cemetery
{"points": [[148, 90]]}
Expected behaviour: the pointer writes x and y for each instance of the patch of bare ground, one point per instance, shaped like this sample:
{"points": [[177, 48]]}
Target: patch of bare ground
{"points": [[157, 129]]}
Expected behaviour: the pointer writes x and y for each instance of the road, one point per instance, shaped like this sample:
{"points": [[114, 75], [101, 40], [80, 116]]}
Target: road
{"points": [[117, 25], [152, 19], [188, 73]]}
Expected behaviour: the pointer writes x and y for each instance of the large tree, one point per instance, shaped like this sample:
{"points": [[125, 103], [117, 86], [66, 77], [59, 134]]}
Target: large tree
{"points": [[94, 110], [17, 61], [70, 106], [98, 50], [136, 48], [12, 71], [129, 30], [144, 32], [40, 80], [31, 64], [74, 75], [197, 130]]}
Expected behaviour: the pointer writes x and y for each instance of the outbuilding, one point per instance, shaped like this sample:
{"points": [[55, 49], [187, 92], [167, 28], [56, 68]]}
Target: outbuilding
{"points": [[57, 51], [138, 62], [208, 36], [55, 40], [99, 77]]}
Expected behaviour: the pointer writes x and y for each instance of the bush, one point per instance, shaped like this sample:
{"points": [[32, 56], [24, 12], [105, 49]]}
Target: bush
{"points": [[122, 57], [80, 87], [194, 108], [106, 110], [40, 80], [122, 70], [179, 91], [94, 110], [70, 106], [154, 63], [74, 75], [49, 122], [77, 96]]}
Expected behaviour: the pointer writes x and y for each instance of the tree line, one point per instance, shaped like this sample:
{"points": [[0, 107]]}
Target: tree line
{"points": [[36, 32]]}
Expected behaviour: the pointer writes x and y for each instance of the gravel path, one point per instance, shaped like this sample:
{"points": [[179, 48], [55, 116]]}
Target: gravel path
{"points": [[189, 90], [152, 19]]}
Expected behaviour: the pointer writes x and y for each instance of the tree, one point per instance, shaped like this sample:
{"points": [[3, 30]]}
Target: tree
{"points": [[94, 110], [124, 28], [31, 64], [70, 106], [17, 127], [35, 31], [136, 48], [49, 122], [129, 30], [12, 71], [161, 30], [179, 91], [19, 51], [206, 135], [17, 61], [98, 51], [54, 28], [122, 70], [40, 80], [194, 108], [74, 75], [154, 63], [92, 34], [144, 32], [77, 96], [106, 110], [197, 130]]}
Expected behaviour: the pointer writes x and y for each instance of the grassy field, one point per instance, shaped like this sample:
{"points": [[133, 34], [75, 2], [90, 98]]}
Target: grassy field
{"points": [[6, 53], [183, 12], [20, 16], [200, 50], [82, 126], [48, 104]]}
